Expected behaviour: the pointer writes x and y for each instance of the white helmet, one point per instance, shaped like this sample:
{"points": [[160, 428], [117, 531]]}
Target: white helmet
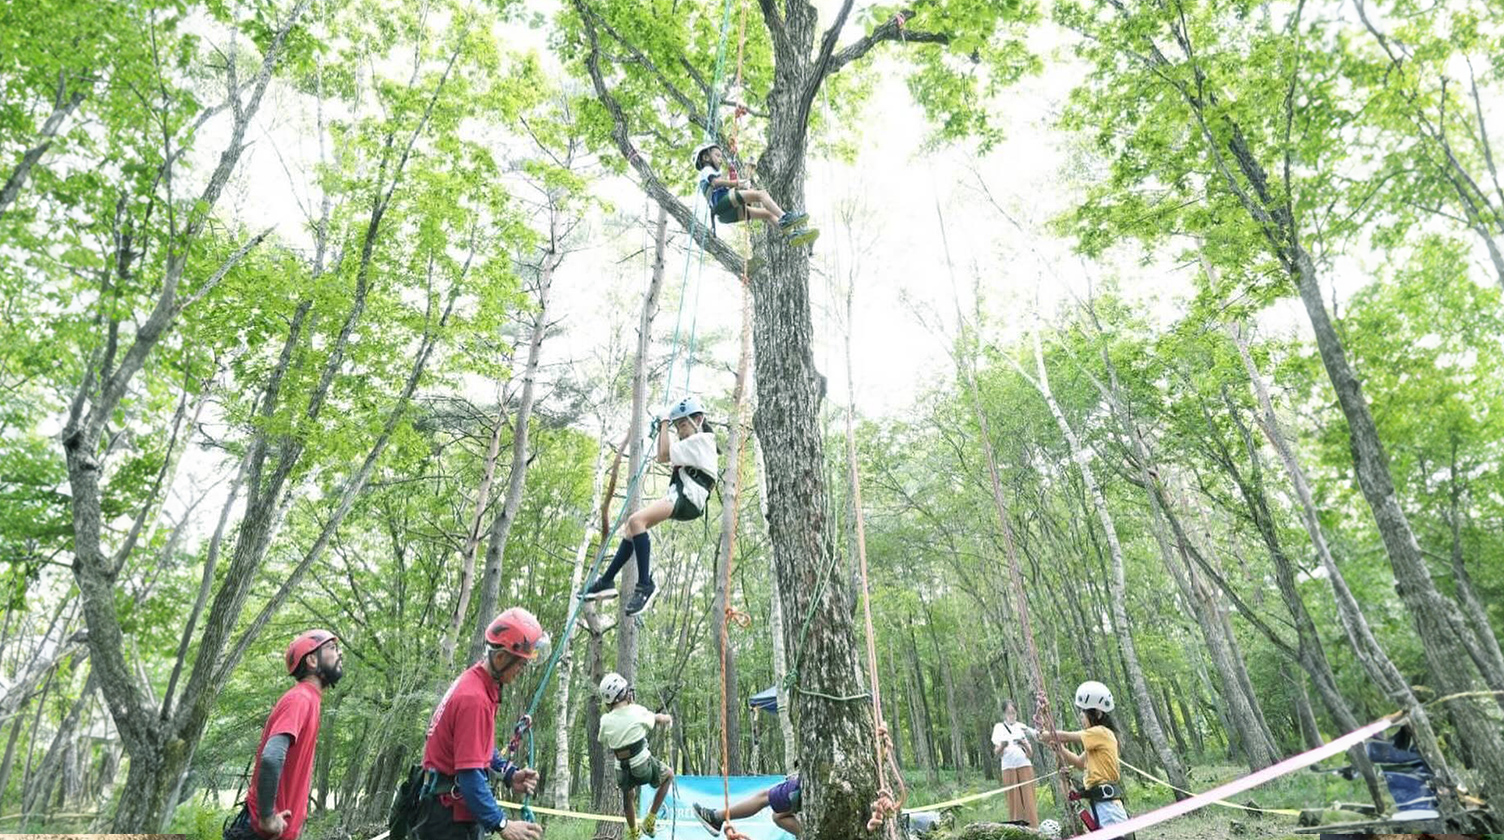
{"points": [[1093, 695], [1050, 829], [699, 150], [614, 687], [687, 407]]}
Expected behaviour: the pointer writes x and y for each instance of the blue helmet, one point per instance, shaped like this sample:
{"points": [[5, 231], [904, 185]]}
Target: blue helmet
{"points": [[687, 407]]}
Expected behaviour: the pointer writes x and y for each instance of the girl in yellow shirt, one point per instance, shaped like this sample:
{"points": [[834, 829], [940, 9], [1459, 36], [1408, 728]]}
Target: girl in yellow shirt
{"points": [[1099, 756]]}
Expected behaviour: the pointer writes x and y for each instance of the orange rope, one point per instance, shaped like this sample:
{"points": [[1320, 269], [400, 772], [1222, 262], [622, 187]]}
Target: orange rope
{"points": [[886, 804], [730, 613]]}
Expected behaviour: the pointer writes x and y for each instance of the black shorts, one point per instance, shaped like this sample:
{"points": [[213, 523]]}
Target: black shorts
{"points": [[729, 209], [684, 510], [436, 822]]}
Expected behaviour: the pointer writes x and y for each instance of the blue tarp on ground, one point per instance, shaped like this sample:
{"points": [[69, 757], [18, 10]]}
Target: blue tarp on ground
{"points": [[678, 821]]}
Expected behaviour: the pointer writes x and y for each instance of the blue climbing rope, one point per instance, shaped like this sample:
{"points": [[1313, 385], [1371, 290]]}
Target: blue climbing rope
{"points": [[523, 729]]}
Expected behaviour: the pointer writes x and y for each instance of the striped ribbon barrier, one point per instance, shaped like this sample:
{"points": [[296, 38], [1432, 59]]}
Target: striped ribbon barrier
{"points": [[1252, 780], [951, 803]]}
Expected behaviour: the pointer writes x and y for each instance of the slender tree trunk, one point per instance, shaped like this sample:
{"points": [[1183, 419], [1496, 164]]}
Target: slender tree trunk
{"points": [[1169, 717], [450, 641], [10, 750], [1371, 655], [1475, 623], [731, 485], [53, 763], [919, 715], [1138, 685], [780, 656], [1305, 716], [501, 526], [560, 779]]}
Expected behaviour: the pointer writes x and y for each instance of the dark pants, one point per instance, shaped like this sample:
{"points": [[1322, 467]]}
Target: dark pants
{"points": [[436, 822], [238, 827]]}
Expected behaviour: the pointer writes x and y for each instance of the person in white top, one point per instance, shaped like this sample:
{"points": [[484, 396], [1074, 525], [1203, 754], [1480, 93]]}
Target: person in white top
{"points": [[732, 198], [696, 463], [1010, 739]]}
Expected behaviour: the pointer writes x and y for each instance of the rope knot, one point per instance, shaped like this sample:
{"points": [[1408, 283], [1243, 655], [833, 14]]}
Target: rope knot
{"points": [[633, 154], [737, 617], [883, 807], [898, 18], [732, 833]]}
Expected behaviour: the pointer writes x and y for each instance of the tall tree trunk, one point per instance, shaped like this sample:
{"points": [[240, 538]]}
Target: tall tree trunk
{"points": [[1170, 718], [637, 454], [1475, 623], [560, 779], [731, 486], [780, 656], [501, 526], [1117, 584], [10, 749], [1243, 710], [50, 771], [1371, 655], [919, 718], [1305, 716]]}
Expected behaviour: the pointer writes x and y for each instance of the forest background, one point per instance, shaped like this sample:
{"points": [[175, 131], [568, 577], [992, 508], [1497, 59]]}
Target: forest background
{"points": [[337, 312]]}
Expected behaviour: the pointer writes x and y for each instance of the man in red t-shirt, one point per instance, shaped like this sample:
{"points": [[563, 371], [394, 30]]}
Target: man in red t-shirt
{"points": [[277, 802], [461, 744]]}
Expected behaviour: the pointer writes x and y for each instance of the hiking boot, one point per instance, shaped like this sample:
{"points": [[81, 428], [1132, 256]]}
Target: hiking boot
{"points": [[793, 220], [642, 598], [708, 818], [601, 590], [804, 237], [649, 823]]}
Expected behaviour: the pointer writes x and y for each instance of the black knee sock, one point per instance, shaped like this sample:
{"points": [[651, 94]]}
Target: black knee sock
{"points": [[623, 551], [643, 545]]}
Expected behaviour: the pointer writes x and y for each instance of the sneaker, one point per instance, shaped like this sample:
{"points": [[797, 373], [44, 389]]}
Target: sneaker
{"points": [[641, 600], [804, 237], [649, 823], [793, 220], [708, 818], [601, 590], [632, 833]]}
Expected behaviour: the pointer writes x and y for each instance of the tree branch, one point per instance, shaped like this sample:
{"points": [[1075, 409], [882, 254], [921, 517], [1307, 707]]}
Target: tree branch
{"points": [[651, 184], [889, 31]]}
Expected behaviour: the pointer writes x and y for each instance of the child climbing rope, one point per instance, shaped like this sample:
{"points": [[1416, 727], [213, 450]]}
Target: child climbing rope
{"points": [[1099, 758], [695, 464], [783, 798], [731, 201], [624, 731]]}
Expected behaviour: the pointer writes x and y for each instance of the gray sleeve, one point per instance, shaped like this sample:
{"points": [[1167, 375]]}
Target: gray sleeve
{"points": [[273, 756]]}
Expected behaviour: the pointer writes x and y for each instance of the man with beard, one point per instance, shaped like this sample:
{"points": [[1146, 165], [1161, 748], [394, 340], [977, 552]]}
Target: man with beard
{"points": [[277, 802]]}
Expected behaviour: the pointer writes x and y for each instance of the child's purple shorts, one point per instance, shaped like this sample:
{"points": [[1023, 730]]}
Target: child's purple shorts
{"points": [[783, 797]]}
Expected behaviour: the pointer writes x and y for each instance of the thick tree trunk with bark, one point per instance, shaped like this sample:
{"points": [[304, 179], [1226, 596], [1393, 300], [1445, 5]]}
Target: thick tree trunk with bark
{"points": [[1138, 685], [780, 656]]}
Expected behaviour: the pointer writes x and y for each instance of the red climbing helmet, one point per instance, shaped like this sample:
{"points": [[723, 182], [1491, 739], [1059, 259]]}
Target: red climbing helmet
{"points": [[517, 632], [310, 641]]}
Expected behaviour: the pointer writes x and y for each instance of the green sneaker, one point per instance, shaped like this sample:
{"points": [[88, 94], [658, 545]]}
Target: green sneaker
{"points": [[793, 220], [632, 833], [649, 823], [804, 237]]}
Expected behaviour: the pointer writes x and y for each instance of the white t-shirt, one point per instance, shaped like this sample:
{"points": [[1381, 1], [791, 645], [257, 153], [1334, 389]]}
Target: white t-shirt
{"points": [[1013, 735], [698, 451], [625, 726], [708, 174]]}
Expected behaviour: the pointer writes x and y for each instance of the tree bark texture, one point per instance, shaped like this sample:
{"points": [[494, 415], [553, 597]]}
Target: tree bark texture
{"points": [[731, 485]]}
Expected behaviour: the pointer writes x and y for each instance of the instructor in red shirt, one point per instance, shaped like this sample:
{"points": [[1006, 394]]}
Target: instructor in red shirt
{"points": [[461, 746], [277, 802]]}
